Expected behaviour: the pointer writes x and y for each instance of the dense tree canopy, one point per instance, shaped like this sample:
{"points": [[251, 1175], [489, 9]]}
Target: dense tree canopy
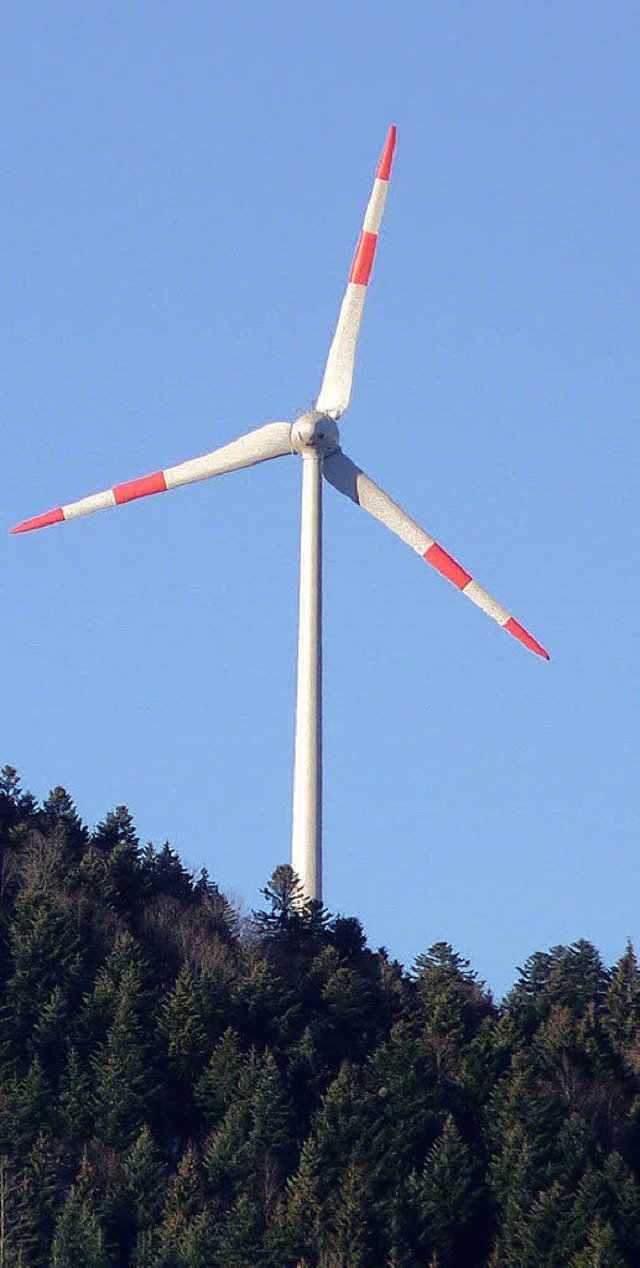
{"points": [[184, 1088]]}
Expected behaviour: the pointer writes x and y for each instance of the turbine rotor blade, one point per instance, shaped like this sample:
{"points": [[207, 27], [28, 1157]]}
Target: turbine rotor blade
{"points": [[343, 474], [271, 441], [338, 375]]}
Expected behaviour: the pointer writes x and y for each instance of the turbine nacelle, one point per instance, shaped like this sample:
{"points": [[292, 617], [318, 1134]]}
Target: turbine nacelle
{"points": [[315, 432]]}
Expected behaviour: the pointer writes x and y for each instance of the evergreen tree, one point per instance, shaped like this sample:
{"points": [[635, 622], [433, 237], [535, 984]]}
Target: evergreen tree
{"points": [[123, 879], [350, 1239], [60, 819], [44, 1176], [78, 1237], [116, 829], [9, 799], [167, 874], [453, 1001], [600, 1250], [50, 1032], [251, 1150], [239, 1240], [184, 1220], [45, 953], [76, 1103], [146, 1182], [292, 921], [622, 1007], [182, 1026], [446, 1194], [11, 1210], [218, 1083], [124, 1066]]}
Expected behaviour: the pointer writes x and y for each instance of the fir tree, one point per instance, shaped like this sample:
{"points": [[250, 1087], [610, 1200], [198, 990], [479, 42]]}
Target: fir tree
{"points": [[350, 1240], [239, 1239], [124, 1067], [218, 1083], [622, 1007], [182, 1026], [146, 1182], [184, 1218], [78, 1237], [600, 1250], [60, 819], [76, 1105], [445, 1195]]}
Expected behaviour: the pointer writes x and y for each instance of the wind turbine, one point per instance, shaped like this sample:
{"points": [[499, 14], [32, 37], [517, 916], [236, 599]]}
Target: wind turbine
{"points": [[314, 437]]}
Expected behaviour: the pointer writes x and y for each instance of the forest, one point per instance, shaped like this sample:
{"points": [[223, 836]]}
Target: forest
{"points": [[183, 1086]]}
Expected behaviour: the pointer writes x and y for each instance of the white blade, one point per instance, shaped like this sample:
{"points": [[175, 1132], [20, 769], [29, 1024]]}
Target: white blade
{"points": [[270, 441], [343, 474], [338, 376]]}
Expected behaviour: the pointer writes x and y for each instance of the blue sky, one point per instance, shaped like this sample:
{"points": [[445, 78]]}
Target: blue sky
{"points": [[184, 184]]}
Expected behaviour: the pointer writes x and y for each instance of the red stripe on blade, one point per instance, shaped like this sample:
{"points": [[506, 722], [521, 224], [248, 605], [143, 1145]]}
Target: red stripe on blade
{"points": [[520, 633], [363, 258], [439, 558], [155, 483], [40, 521], [384, 166]]}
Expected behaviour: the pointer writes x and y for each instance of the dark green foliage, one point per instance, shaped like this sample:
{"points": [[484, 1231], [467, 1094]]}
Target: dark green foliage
{"points": [[124, 1066], [60, 821], [445, 1194], [79, 1237], [182, 1089]]}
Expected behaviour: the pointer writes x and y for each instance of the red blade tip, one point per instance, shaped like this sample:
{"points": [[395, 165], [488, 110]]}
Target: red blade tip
{"points": [[514, 627], [40, 521], [384, 166]]}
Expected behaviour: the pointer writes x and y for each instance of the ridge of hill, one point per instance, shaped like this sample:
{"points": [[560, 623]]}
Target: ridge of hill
{"points": [[182, 1087]]}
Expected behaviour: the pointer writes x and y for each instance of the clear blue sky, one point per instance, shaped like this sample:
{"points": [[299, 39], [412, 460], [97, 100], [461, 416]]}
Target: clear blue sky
{"points": [[183, 186]]}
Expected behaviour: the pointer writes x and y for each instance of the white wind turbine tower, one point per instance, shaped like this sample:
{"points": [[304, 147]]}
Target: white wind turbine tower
{"points": [[314, 437]]}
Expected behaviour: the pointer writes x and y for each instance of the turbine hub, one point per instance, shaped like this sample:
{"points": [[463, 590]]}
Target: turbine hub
{"points": [[314, 432]]}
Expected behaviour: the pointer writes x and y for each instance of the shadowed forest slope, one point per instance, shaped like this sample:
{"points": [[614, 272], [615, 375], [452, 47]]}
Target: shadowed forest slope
{"points": [[182, 1087]]}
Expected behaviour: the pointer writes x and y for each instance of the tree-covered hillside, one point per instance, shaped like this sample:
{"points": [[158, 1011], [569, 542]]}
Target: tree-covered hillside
{"points": [[184, 1088]]}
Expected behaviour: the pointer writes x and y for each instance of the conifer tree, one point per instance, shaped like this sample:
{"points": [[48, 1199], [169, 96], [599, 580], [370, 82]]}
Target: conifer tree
{"points": [[218, 1083], [304, 1212], [76, 1104], [45, 953], [11, 1210], [622, 1005], [446, 1195], [239, 1238], [286, 900], [600, 1250], [125, 963], [168, 876], [44, 1177], [146, 1181], [453, 1000], [350, 1239], [182, 1026], [116, 829], [78, 1237], [548, 1235], [340, 1124], [351, 1007], [124, 1066], [28, 1108], [124, 882], [9, 797], [184, 1220], [60, 819], [50, 1032]]}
